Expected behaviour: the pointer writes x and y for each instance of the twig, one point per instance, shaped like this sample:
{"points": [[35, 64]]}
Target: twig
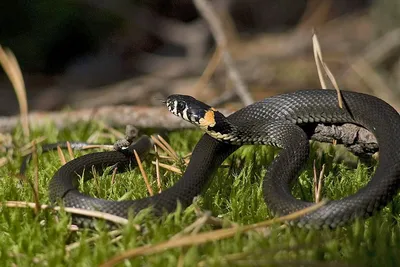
{"points": [[208, 13], [225, 97], [375, 81], [210, 69], [115, 116], [356, 139], [89, 213], [106, 147]]}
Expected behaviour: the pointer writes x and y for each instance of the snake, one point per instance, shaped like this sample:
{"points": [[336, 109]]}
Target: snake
{"points": [[283, 121]]}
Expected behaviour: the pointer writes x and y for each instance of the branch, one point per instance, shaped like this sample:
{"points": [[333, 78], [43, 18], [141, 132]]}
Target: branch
{"points": [[114, 116], [356, 139], [208, 13]]}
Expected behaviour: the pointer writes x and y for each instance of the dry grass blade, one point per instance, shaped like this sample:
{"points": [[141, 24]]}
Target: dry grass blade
{"points": [[319, 62], [318, 182], [164, 148], [318, 59], [315, 181], [321, 177], [114, 174], [165, 157], [188, 155], [61, 155], [169, 167], [35, 187], [170, 149], [146, 180], [157, 163], [89, 213], [13, 71], [205, 237], [70, 152]]}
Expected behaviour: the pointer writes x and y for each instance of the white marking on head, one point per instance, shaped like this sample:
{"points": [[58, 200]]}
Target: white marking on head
{"points": [[175, 110], [185, 114]]}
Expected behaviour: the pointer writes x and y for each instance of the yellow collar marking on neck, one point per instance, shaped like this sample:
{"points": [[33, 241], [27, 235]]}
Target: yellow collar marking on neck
{"points": [[208, 120]]}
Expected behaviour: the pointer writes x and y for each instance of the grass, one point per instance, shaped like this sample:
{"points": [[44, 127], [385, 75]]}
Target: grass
{"points": [[235, 195]]}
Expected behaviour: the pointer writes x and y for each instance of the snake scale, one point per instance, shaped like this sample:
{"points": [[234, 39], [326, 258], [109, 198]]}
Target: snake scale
{"points": [[278, 121]]}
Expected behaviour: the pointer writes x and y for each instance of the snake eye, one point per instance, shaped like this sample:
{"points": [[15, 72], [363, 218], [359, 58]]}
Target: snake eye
{"points": [[180, 106]]}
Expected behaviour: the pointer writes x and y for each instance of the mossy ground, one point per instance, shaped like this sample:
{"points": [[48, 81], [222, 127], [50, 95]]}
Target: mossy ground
{"points": [[29, 239]]}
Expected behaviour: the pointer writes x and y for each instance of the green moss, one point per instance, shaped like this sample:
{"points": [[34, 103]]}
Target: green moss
{"points": [[235, 194]]}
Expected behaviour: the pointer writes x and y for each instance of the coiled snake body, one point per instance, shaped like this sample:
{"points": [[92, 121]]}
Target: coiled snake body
{"points": [[277, 121]]}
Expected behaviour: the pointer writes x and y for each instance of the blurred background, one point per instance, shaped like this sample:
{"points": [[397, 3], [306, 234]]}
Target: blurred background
{"points": [[88, 53]]}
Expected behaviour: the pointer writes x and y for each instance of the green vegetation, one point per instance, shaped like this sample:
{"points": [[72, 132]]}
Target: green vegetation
{"points": [[235, 195]]}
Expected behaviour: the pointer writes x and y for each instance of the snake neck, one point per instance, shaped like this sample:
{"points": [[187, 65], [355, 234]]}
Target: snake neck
{"points": [[248, 132], [221, 129], [225, 131]]}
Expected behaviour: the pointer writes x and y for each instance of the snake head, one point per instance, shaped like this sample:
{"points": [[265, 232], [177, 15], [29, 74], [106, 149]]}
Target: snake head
{"points": [[192, 110], [202, 115]]}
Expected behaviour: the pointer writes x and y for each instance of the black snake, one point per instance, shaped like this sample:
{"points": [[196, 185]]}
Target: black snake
{"points": [[277, 121]]}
